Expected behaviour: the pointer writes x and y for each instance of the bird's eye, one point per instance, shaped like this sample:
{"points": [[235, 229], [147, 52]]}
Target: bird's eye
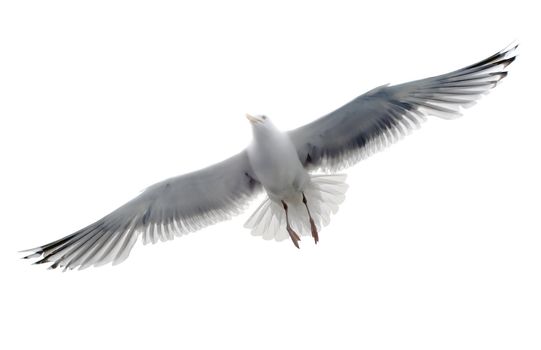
{"points": [[264, 117]]}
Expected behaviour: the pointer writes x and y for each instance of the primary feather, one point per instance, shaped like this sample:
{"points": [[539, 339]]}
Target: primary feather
{"points": [[167, 209], [387, 113]]}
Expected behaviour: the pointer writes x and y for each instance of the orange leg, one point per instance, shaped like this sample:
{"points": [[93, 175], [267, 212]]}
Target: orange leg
{"points": [[312, 223], [292, 234]]}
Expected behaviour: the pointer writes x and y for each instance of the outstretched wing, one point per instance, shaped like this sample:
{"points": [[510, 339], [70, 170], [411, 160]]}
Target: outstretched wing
{"points": [[385, 114], [167, 209]]}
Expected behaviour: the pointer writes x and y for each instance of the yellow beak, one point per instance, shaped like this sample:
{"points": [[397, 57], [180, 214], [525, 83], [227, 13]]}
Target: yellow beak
{"points": [[253, 119]]}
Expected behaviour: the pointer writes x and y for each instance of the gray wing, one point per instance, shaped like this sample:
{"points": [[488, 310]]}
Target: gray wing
{"points": [[385, 114], [167, 209]]}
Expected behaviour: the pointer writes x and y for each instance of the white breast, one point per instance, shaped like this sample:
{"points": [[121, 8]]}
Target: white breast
{"points": [[276, 164]]}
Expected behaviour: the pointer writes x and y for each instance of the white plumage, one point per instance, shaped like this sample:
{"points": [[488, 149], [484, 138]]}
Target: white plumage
{"points": [[278, 163], [324, 193]]}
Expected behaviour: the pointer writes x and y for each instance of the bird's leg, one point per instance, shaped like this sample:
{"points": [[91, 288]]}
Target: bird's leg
{"points": [[292, 234], [312, 223]]}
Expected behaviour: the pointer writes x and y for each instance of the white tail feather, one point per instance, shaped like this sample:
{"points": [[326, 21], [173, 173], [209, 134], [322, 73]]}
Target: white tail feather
{"points": [[323, 194]]}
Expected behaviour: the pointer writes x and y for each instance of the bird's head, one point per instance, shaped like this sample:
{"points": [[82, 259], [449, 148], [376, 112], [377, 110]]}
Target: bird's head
{"points": [[257, 120], [262, 126]]}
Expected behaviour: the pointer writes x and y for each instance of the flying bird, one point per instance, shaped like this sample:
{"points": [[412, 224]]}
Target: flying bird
{"points": [[280, 164]]}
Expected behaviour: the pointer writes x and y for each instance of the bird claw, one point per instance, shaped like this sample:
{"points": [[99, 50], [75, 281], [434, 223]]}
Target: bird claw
{"points": [[294, 237], [315, 234]]}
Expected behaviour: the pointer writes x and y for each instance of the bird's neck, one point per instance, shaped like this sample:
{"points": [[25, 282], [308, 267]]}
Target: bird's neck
{"points": [[267, 134]]}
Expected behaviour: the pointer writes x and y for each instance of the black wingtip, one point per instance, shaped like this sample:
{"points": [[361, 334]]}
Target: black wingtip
{"points": [[30, 250], [499, 75], [42, 261], [53, 266], [511, 52], [31, 256], [512, 46], [508, 61]]}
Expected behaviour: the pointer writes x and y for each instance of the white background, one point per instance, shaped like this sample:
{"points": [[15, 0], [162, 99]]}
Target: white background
{"points": [[437, 245]]}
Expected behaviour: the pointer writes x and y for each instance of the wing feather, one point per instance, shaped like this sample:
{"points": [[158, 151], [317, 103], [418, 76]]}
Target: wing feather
{"points": [[167, 209], [387, 113]]}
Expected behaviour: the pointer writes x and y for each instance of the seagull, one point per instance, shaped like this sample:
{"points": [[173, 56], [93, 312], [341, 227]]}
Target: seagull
{"points": [[297, 170]]}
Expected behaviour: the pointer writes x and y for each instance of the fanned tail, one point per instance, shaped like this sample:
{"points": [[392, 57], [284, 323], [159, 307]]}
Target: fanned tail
{"points": [[324, 194]]}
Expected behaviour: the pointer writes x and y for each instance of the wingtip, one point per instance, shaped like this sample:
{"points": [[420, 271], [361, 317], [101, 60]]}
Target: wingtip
{"points": [[29, 250], [512, 46], [509, 60], [34, 253], [42, 261], [31, 256], [510, 52]]}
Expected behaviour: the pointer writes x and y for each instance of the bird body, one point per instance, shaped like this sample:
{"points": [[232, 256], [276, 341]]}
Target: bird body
{"points": [[295, 200], [298, 202], [274, 160]]}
